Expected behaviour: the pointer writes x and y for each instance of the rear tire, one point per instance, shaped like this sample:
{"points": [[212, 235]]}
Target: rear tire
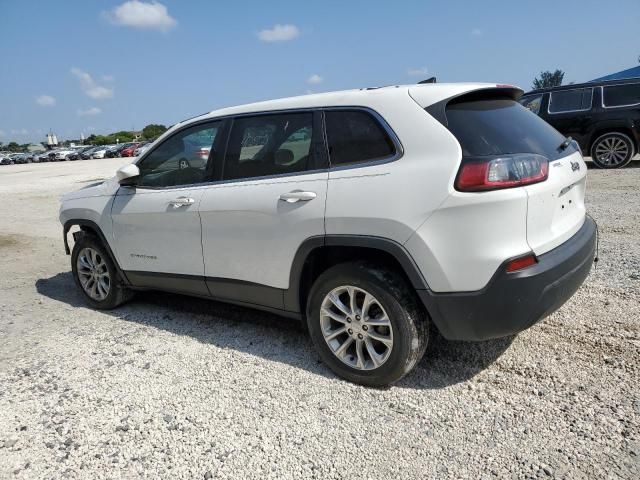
{"points": [[612, 150], [375, 339], [96, 275]]}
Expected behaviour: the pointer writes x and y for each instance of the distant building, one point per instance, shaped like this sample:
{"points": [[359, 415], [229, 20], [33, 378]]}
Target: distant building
{"points": [[628, 73], [35, 147]]}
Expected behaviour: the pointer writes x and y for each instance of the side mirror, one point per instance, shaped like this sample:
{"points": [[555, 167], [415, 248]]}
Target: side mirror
{"points": [[128, 175]]}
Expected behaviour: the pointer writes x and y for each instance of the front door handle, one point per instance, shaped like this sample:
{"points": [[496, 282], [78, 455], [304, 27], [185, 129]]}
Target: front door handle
{"points": [[182, 202], [297, 195]]}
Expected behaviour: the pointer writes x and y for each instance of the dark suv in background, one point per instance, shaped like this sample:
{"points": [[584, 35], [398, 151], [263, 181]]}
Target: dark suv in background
{"points": [[603, 117]]}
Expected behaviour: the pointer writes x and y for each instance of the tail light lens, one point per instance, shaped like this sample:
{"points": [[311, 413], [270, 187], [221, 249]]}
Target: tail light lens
{"points": [[478, 174], [202, 152], [521, 263]]}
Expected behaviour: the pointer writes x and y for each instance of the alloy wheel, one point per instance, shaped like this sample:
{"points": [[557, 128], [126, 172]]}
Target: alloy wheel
{"points": [[356, 327], [93, 274], [612, 151]]}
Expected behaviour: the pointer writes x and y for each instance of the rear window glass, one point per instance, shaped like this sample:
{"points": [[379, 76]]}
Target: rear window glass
{"points": [[621, 95], [570, 100], [502, 126], [355, 136]]}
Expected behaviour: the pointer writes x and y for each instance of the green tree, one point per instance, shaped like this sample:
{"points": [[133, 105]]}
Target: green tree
{"points": [[123, 136], [13, 147], [548, 79], [153, 131]]}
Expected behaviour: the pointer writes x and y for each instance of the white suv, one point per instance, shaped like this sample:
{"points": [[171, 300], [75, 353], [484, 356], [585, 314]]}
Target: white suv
{"points": [[366, 213]]}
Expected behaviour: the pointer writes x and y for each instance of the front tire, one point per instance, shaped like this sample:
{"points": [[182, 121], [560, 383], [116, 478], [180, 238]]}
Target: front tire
{"points": [[612, 150], [366, 323], [95, 274]]}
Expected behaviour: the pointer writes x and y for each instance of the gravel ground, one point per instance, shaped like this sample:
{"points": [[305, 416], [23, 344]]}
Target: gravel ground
{"points": [[174, 387]]}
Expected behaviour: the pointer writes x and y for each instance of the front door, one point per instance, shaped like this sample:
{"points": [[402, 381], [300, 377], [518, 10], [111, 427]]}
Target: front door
{"points": [[271, 198], [156, 225]]}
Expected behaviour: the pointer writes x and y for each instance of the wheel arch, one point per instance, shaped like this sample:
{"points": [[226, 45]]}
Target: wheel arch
{"points": [[317, 254], [91, 227]]}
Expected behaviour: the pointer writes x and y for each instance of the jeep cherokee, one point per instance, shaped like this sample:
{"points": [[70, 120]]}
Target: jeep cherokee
{"points": [[368, 214]]}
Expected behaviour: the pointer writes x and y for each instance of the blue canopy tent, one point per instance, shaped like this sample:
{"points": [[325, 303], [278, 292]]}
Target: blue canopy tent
{"points": [[629, 73]]}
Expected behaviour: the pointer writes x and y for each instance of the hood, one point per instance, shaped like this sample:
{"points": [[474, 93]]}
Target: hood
{"points": [[107, 188]]}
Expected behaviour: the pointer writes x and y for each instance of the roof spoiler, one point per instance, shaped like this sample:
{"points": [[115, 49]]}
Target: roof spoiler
{"points": [[438, 110]]}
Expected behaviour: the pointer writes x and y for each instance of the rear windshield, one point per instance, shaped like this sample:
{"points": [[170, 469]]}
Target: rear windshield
{"points": [[501, 126]]}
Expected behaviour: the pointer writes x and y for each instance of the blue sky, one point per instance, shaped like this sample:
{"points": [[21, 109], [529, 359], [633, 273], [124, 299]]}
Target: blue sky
{"points": [[100, 66]]}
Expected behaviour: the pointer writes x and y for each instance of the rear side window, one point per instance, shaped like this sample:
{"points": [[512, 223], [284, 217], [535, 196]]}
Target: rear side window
{"points": [[570, 100], [269, 145], [355, 136], [501, 126], [621, 95], [532, 102]]}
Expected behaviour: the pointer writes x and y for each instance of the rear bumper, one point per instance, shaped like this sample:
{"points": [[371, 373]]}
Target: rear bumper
{"points": [[512, 302]]}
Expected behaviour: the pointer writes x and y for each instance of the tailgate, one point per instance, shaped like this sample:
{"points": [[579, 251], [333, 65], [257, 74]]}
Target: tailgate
{"points": [[556, 208]]}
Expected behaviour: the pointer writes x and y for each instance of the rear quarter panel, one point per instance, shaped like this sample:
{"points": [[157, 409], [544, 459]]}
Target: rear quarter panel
{"points": [[392, 199]]}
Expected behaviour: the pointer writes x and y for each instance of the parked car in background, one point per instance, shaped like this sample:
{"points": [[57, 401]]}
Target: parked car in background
{"points": [[43, 156], [63, 154], [87, 152], [100, 152], [17, 158], [82, 151], [129, 150], [141, 149], [6, 160], [366, 214], [114, 150], [603, 117]]}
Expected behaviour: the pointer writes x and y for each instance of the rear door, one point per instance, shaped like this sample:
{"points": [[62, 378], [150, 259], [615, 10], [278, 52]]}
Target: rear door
{"points": [[270, 199]]}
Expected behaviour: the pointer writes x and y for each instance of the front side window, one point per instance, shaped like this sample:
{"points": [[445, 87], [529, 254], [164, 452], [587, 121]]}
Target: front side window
{"points": [[621, 95], [574, 100], [269, 145], [355, 136], [181, 159], [532, 102]]}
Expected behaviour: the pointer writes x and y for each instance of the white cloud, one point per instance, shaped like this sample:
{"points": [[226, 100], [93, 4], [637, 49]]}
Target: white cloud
{"points": [[89, 111], [22, 131], [279, 33], [315, 79], [108, 78], [45, 101], [417, 72], [138, 14], [476, 32], [90, 87]]}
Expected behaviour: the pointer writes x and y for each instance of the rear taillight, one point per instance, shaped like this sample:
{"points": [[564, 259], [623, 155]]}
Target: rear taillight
{"points": [[478, 174]]}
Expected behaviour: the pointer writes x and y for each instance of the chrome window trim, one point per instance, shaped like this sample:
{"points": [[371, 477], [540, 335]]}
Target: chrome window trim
{"points": [[602, 87], [399, 149], [569, 111]]}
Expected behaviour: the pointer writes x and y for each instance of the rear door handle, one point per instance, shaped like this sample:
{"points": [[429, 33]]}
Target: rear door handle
{"points": [[297, 195], [182, 202]]}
